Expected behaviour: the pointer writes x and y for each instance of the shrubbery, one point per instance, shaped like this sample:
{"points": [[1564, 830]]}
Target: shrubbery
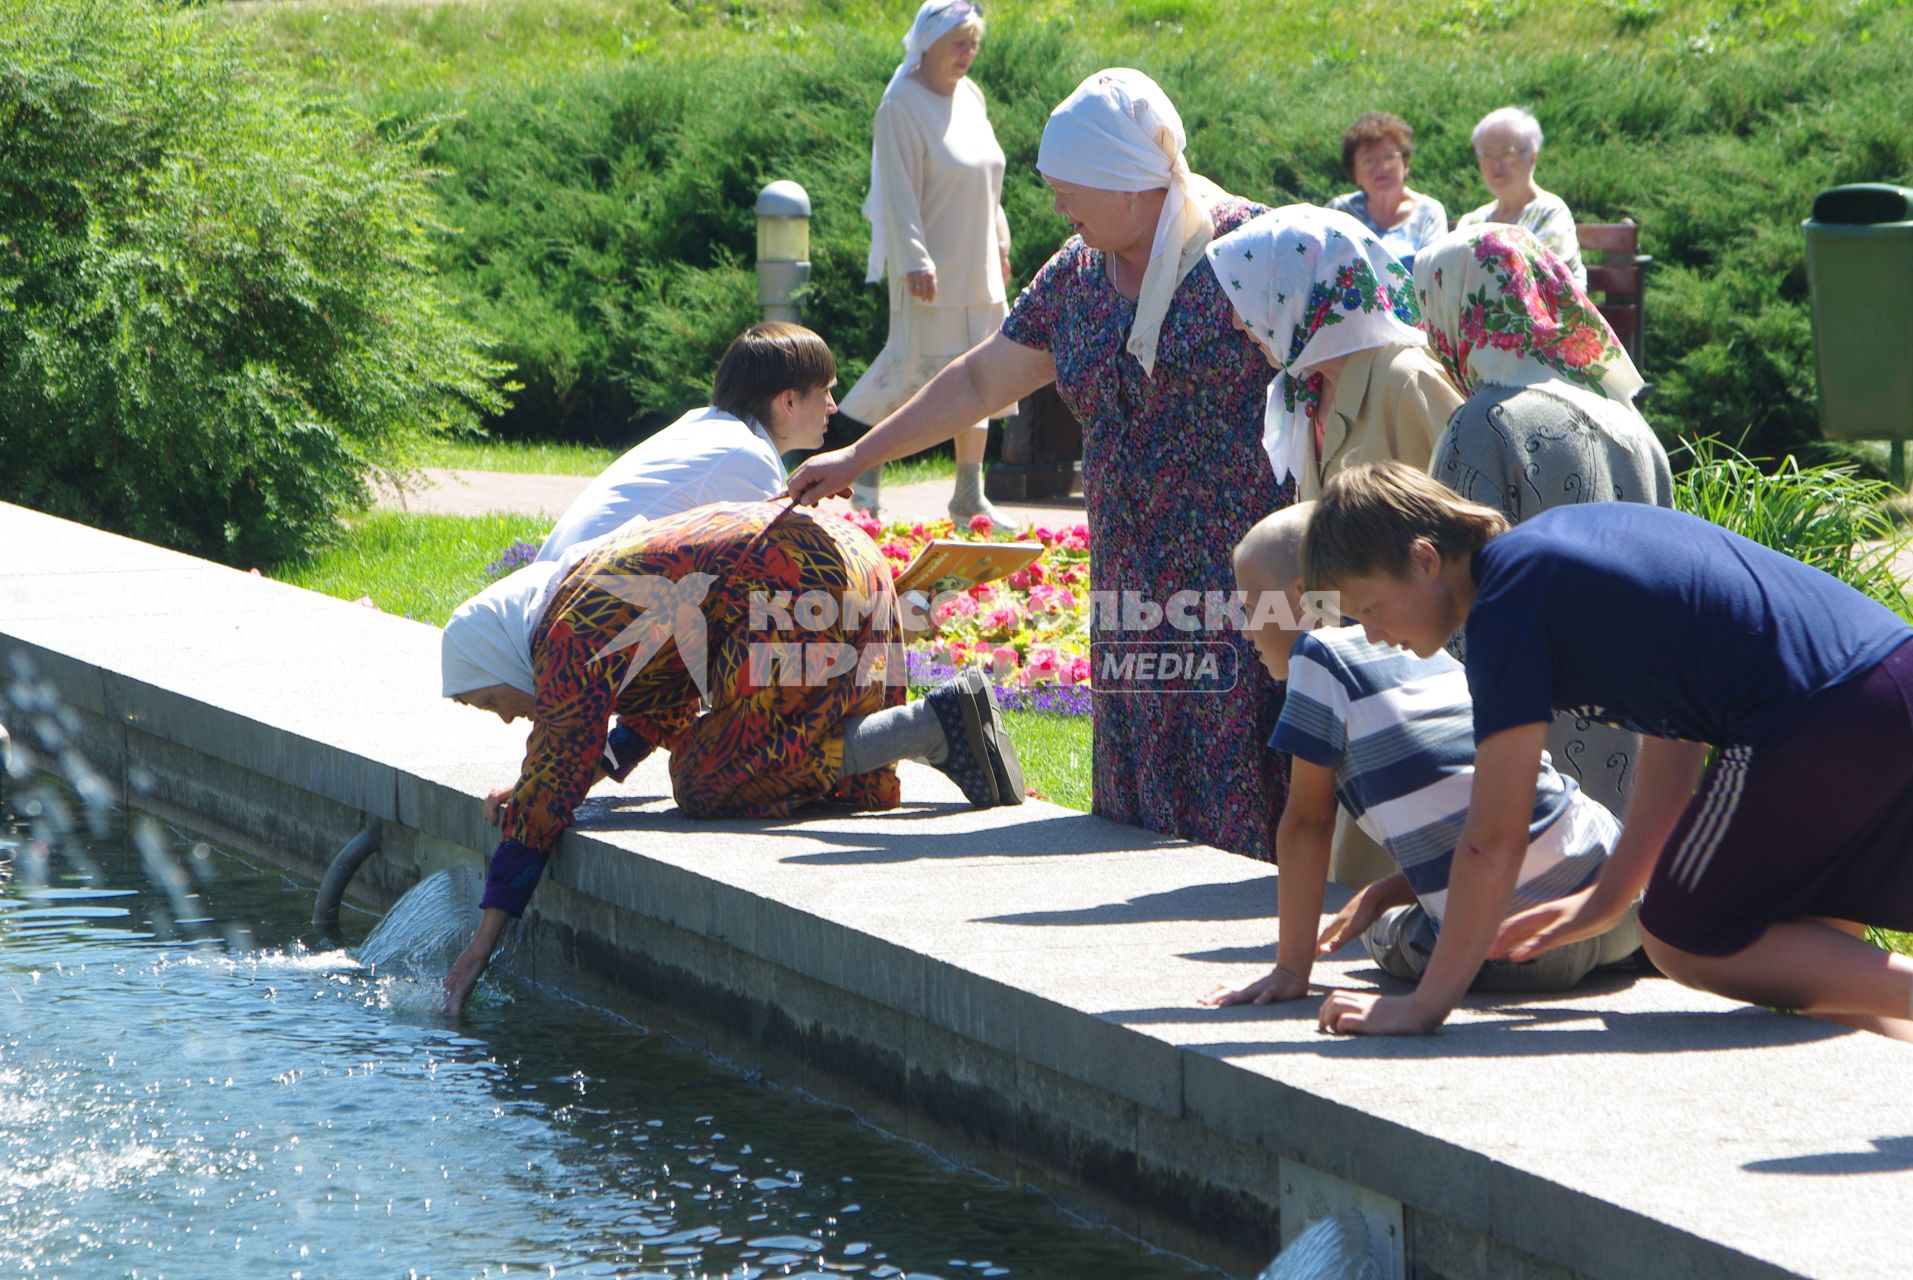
{"points": [[606, 217], [217, 303]]}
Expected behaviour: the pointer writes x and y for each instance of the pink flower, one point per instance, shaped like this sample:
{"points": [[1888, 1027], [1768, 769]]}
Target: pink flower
{"points": [[984, 591], [959, 653], [1005, 618], [954, 607], [1036, 571], [1021, 579], [1078, 670], [1048, 599], [896, 551], [1044, 534], [1002, 658], [1505, 341], [916, 531], [1044, 664], [1077, 538], [981, 524]]}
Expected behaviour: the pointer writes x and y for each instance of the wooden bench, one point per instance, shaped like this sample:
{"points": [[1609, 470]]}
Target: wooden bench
{"points": [[1616, 282]]}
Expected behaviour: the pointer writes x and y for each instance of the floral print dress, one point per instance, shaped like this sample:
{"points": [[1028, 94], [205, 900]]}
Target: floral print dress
{"points": [[1173, 476], [770, 740]]}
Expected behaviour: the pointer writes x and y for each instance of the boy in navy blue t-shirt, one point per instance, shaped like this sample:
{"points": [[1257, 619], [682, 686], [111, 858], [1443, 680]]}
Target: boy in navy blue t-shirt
{"points": [[1758, 884]]}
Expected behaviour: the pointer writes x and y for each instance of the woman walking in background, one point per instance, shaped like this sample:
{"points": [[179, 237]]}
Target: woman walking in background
{"points": [[1130, 323], [937, 231]]}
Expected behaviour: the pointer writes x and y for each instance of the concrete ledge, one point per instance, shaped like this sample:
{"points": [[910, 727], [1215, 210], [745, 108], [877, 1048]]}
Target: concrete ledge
{"points": [[1017, 983]]}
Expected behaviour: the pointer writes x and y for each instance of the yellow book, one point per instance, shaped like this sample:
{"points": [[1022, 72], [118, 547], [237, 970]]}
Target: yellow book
{"points": [[950, 565]]}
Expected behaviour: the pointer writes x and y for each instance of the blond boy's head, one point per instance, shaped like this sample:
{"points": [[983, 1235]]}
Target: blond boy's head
{"points": [[1268, 562]]}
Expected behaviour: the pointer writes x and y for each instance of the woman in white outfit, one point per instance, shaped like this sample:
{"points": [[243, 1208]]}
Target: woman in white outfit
{"points": [[771, 397], [937, 230]]}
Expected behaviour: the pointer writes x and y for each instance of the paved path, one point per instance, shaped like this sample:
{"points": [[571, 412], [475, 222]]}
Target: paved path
{"points": [[472, 493]]}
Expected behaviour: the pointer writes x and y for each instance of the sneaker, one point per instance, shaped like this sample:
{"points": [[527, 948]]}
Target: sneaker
{"points": [[982, 759]]}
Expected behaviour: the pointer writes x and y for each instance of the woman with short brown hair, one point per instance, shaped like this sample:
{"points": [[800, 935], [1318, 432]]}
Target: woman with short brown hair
{"points": [[1376, 151]]}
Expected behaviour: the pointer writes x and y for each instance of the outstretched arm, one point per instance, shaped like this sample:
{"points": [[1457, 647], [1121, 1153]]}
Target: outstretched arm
{"points": [[976, 385], [1665, 774], [1302, 844], [1480, 885]]}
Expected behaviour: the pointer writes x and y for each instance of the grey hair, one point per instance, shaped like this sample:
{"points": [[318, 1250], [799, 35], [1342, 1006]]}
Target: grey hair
{"points": [[1516, 118]]}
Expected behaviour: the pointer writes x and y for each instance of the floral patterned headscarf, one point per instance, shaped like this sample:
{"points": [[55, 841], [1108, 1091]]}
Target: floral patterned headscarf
{"points": [[1501, 309], [1311, 284]]}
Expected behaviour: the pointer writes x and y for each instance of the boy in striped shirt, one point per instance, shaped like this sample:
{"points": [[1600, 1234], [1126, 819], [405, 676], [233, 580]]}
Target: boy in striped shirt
{"points": [[1390, 737]]}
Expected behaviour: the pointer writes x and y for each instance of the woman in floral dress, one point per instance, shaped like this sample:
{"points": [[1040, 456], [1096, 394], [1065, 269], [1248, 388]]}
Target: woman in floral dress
{"points": [[1129, 322], [1549, 420]]}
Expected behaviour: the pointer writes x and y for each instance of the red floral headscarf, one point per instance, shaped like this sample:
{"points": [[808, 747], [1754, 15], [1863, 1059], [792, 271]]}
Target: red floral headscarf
{"points": [[1501, 309]]}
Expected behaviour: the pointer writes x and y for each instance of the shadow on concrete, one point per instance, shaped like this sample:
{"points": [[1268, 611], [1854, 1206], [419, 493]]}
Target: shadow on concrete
{"points": [[1190, 902], [1530, 1033], [1063, 836], [890, 839], [1225, 901], [1889, 1155]]}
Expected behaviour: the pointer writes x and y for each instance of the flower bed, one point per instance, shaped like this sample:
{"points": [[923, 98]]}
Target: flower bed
{"points": [[1030, 631]]}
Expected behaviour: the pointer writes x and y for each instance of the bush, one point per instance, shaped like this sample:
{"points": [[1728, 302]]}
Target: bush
{"points": [[604, 175], [217, 308]]}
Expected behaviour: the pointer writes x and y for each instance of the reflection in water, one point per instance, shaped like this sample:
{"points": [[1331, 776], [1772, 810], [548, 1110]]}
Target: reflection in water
{"points": [[180, 1099]]}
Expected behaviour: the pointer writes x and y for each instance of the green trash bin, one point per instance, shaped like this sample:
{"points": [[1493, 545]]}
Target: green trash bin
{"points": [[1860, 277]]}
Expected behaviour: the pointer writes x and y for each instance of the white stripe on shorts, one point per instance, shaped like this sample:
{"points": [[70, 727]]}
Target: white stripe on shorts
{"points": [[1716, 815]]}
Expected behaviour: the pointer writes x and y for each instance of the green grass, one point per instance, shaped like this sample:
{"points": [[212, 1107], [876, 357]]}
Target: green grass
{"points": [[920, 468], [526, 457], [416, 566], [1054, 751]]}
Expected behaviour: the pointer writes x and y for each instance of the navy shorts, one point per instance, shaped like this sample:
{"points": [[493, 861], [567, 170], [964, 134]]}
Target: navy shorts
{"points": [[1818, 822]]}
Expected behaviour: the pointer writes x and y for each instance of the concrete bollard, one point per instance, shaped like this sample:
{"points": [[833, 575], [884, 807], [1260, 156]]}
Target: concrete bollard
{"points": [[783, 249]]}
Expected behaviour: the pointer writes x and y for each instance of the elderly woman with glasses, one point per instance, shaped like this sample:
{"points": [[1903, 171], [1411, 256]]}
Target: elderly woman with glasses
{"points": [[1131, 324], [1507, 142], [1376, 151], [937, 230]]}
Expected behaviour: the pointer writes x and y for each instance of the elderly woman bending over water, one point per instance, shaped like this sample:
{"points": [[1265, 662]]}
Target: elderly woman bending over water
{"points": [[655, 621], [1129, 322]]}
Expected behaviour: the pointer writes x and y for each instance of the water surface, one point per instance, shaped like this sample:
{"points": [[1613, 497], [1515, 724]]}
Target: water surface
{"points": [[191, 1085]]}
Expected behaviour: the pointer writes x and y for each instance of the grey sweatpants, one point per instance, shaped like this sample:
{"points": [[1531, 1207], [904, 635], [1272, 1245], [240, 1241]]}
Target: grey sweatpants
{"points": [[1404, 938]]}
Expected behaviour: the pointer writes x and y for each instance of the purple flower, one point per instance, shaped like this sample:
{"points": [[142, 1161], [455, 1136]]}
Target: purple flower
{"points": [[517, 556]]}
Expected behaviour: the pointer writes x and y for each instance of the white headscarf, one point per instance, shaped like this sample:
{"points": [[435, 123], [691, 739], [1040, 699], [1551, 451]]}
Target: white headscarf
{"points": [[488, 640], [935, 20], [1312, 284], [1119, 132]]}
